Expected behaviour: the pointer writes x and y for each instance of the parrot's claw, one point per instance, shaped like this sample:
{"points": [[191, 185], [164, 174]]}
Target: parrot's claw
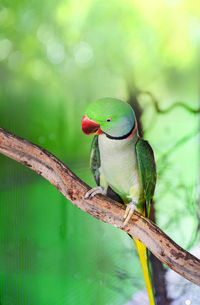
{"points": [[131, 207], [94, 191]]}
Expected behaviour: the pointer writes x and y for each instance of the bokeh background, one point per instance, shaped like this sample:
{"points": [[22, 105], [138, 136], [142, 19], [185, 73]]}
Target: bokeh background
{"points": [[55, 58]]}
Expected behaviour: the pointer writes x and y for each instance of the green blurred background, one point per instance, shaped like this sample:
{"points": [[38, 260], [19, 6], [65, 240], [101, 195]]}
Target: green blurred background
{"points": [[55, 58]]}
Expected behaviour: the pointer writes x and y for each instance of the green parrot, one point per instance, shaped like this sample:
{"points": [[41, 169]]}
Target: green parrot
{"points": [[123, 162]]}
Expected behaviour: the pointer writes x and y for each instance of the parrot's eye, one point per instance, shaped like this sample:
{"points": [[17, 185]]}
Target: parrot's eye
{"points": [[109, 120]]}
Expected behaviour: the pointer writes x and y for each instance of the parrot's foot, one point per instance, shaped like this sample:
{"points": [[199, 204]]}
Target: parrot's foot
{"points": [[131, 207], [94, 191]]}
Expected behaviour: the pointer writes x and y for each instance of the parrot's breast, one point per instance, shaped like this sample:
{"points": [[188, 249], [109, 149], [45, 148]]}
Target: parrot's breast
{"points": [[119, 167]]}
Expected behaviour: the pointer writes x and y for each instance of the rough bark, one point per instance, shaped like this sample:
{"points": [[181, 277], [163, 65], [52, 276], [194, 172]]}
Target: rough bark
{"points": [[101, 207], [158, 273]]}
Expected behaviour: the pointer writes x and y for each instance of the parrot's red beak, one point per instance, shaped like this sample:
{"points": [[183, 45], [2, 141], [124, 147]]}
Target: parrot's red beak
{"points": [[89, 126]]}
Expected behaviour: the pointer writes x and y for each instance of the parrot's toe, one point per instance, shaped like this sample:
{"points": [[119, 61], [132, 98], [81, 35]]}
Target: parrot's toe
{"points": [[131, 207], [94, 191]]}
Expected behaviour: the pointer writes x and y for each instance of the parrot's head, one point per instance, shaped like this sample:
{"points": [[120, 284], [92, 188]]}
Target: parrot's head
{"points": [[109, 116]]}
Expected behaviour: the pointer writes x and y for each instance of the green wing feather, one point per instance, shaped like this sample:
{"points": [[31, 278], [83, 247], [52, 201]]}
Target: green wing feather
{"points": [[147, 169], [95, 161]]}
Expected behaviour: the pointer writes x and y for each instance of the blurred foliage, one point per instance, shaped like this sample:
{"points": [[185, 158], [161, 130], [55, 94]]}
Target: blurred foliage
{"points": [[55, 58]]}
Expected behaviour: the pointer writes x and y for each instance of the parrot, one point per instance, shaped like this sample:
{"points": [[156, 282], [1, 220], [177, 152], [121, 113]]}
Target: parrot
{"points": [[122, 161]]}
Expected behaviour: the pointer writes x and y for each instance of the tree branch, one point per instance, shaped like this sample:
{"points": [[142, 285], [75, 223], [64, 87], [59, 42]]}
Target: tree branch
{"points": [[171, 107], [101, 207]]}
